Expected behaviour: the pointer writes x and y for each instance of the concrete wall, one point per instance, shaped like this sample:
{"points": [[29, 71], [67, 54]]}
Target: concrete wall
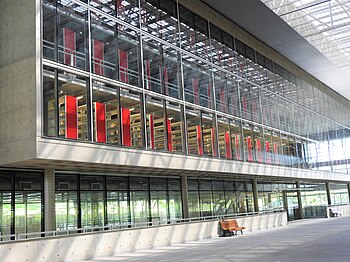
{"points": [[18, 79], [85, 246]]}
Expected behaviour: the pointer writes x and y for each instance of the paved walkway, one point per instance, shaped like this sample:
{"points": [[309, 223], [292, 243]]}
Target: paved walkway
{"points": [[318, 240]]}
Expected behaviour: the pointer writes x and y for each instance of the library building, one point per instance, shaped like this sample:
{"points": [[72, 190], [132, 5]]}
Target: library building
{"points": [[151, 113]]}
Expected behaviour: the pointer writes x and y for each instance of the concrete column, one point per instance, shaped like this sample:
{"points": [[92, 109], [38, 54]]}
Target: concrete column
{"points": [[300, 204], [49, 202], [184, 194], [255, 195], [329, 199]]}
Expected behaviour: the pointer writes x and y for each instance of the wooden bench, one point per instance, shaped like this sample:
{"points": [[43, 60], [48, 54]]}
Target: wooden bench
{"points": [[230, 227]]}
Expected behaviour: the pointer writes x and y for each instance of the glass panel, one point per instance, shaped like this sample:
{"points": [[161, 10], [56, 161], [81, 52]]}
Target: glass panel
{"points": [[28, 212], [66, 182], [92, 209], [206, 203], [107, 6], [339, 193], [161, 68], [49, 104], [197, 81], [175, 127], [72, 34], [224, 143], [258, 144], [193, 204], [5, 213], [219, 207], [194, 132], [92, 182], [175, 205], [159, 207], [209, 135], [49, 21], [117, 208], [139, 207], [159, 19], [129, 56], [128, 11], [72, 106], [106, 113], [236, 139], [156, 128], [248, 142], [104, 46], [131, 118], [240, 197], [220, 92], [232, 96], [116, 183], [139, 183], [66, 207], [28, 181]]}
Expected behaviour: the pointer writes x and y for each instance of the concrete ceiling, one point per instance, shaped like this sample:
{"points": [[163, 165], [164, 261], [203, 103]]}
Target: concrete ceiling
{"points": [[257, 19]]}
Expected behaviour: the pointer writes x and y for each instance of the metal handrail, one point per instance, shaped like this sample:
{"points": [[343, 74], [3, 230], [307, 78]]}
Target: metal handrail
{"points": [[119, 227]]}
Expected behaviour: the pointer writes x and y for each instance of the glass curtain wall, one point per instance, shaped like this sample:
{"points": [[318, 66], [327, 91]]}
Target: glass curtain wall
{"points": [[219, 197], [94, 200], [112, 55], [21, 201]]}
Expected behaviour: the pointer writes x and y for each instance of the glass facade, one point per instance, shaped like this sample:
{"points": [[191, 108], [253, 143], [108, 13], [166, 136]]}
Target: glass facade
{"points": [[143, 74], [21, 202], [84, 200]]}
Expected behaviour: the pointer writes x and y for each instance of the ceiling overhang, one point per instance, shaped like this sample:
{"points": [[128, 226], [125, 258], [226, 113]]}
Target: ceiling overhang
{"points": [[257, 19]]}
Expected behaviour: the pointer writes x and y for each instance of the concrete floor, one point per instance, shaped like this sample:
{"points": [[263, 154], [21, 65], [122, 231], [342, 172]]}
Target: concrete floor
{"points": [[302, 241]]}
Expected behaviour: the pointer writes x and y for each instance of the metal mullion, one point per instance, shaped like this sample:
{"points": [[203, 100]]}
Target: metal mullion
{"points": [[143, 94], [89, 100], [185, 147], [215, 120]]}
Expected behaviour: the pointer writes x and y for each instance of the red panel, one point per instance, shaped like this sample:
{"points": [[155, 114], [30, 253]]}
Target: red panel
{"points": [[71, 117], [98, 51], [213, 141], [258, 148], [151, 130], [222, 100], [148, 74], [124, 66], [228, 145], [250, 151], [166, 81], [195, 91], [170, 138], [267, 148], [126, 127], [199, 140], [100, 116], [238, 156], [69, 44]]}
